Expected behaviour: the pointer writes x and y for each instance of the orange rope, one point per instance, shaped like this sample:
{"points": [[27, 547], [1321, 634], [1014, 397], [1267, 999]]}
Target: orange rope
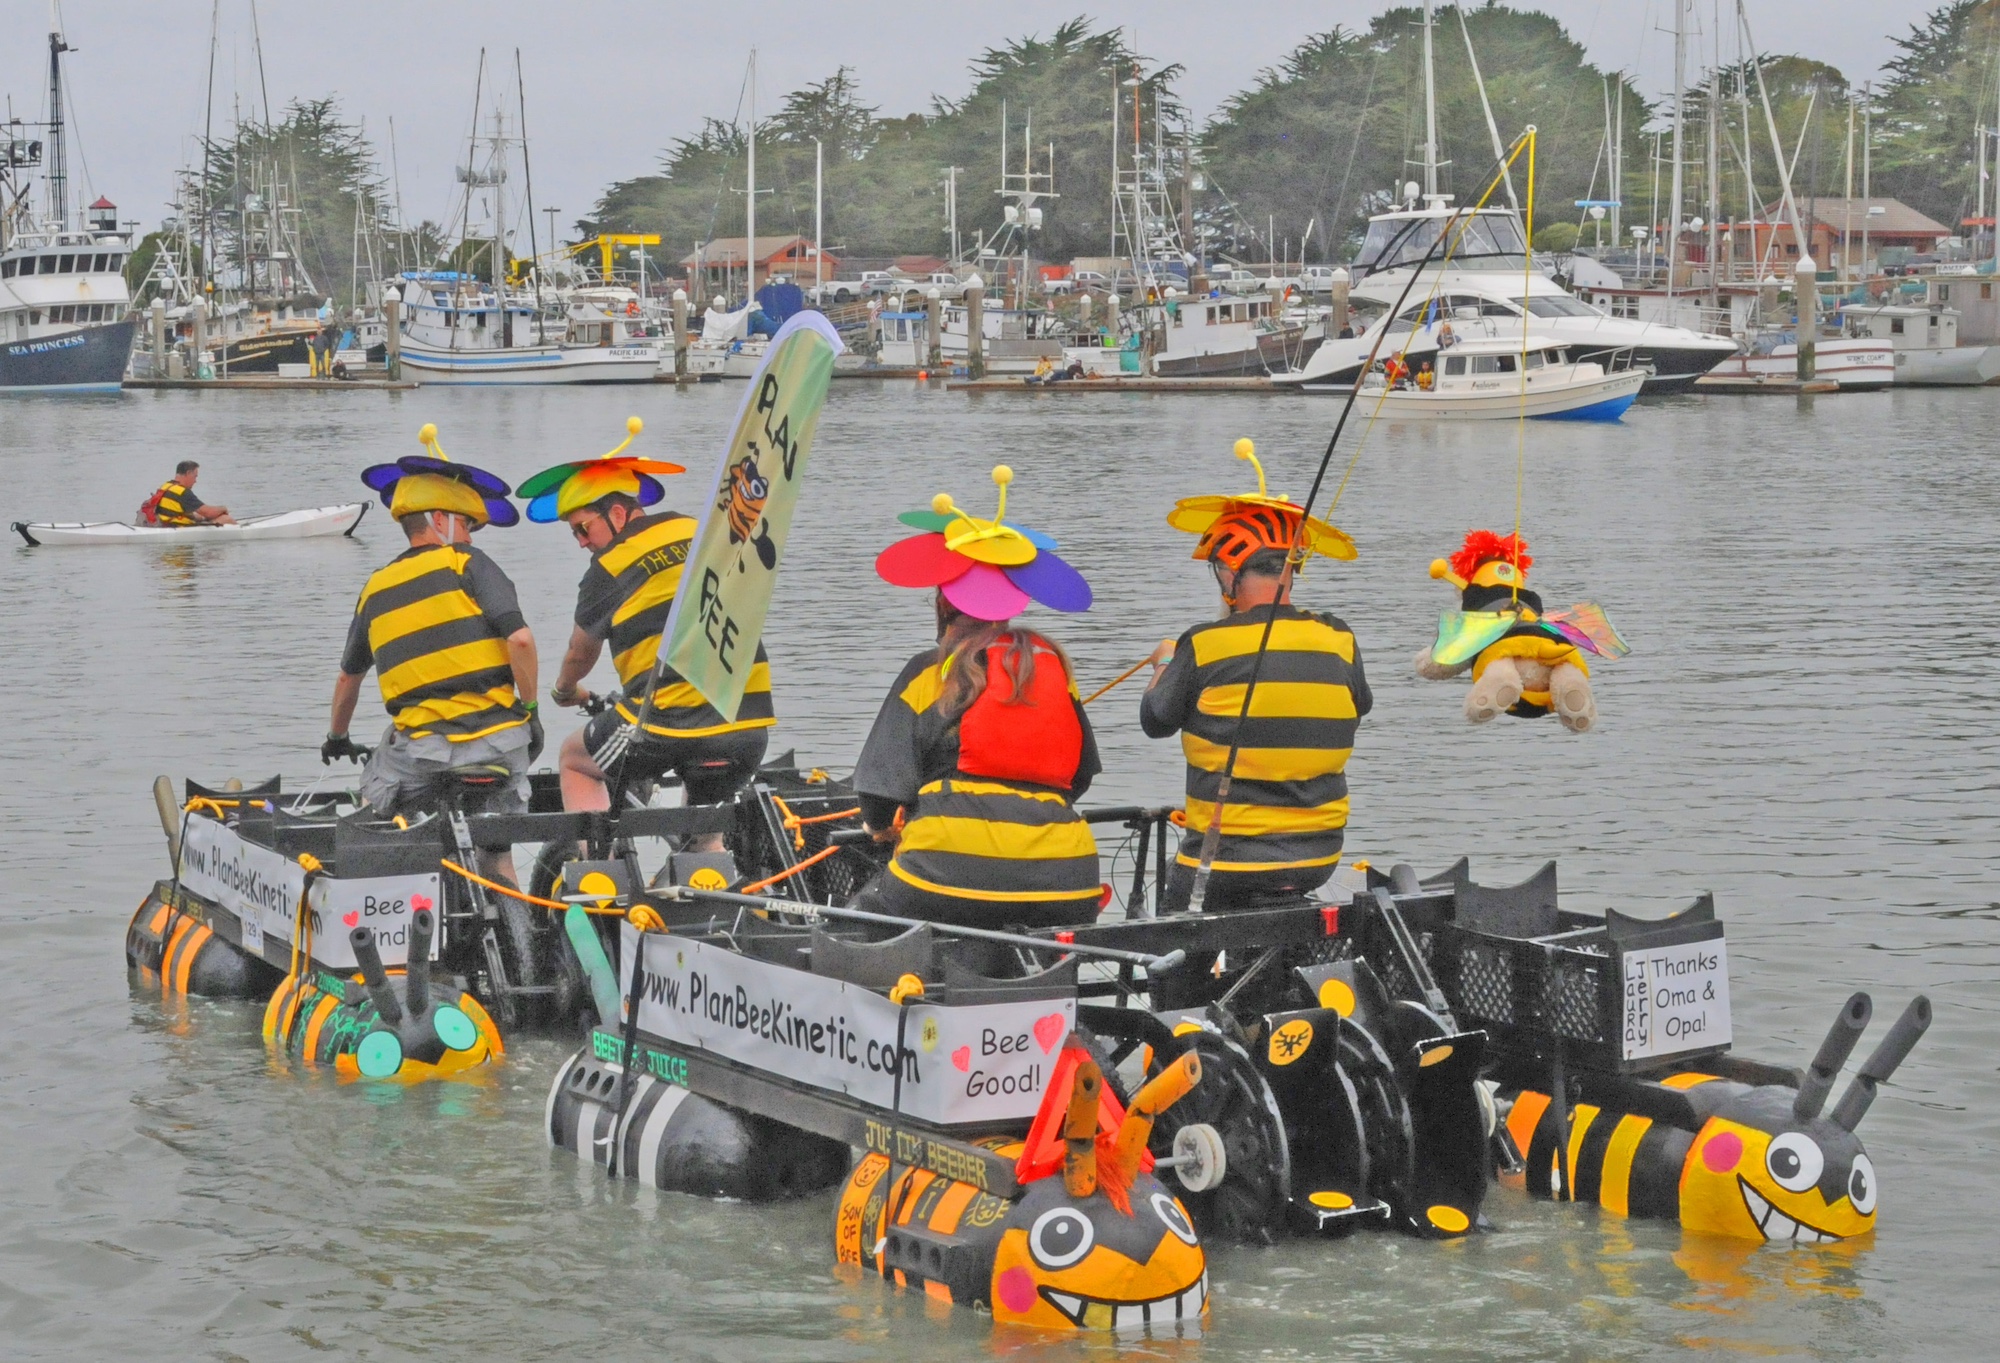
{"points": [[513, 893], [812, 860], [795, 825]]}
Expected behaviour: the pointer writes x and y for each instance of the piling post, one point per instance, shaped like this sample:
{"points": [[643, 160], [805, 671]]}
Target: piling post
{"points": [[680, 334], [975, 328], [934, 327], [392, 346], [198, 341], [159, 321], [1805, 293], [1336, 315]]}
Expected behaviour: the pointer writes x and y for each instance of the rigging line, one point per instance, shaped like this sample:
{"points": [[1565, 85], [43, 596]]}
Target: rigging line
{"points": [[528, 177], [257, 36], [207, 145], [1354, 147], [471, 151]]}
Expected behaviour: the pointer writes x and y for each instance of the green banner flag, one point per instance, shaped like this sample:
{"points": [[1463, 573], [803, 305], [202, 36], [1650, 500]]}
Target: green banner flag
{"points": [[718, 616]]}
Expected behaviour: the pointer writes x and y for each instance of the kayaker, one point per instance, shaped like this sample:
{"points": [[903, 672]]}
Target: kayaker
{"points": [[635, 568], [442, 627], [1286, 812], [176, 504], [982, 744]]}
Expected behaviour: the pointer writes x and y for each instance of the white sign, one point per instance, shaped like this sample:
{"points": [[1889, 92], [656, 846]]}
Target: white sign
{"points": [[382, 904], [977, 1063], [260, 888], [1676, 999], [256, 885]]}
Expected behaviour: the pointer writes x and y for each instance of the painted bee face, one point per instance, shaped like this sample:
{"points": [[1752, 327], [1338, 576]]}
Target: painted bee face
{"points": [[748, 489], [1755, 1171], [1065, 1264]]}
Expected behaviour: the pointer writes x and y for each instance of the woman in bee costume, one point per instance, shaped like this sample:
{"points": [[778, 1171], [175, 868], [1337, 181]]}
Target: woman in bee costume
{"points": [[982, 743]]}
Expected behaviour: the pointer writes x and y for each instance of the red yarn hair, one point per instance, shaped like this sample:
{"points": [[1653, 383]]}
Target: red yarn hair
{"points": [[1483, 546]]}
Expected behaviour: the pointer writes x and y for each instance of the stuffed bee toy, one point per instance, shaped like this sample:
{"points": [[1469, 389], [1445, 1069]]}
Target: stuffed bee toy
{"points": [[1525, 661]]}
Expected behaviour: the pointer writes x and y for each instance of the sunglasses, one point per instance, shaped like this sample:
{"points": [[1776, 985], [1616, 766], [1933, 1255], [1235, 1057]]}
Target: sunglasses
{"points": [[581, 529]]}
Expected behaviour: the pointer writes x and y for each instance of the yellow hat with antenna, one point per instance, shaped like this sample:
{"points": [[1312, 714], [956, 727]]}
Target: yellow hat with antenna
{"points": [[1235, 525]]}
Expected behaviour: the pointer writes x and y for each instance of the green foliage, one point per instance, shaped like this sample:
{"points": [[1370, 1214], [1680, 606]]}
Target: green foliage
{"points": [[1557, 237], [885, 177], [1941, 88], [1332, 131]]}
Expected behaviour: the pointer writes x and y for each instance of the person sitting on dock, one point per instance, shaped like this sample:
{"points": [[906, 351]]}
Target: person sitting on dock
{"points": [[1283, 816], [176, 504], [982, 745], [441, 625], [635, 569]]}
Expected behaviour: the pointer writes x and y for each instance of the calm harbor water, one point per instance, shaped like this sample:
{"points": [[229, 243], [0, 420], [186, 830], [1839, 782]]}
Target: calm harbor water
{"points": [[1804, 727]]}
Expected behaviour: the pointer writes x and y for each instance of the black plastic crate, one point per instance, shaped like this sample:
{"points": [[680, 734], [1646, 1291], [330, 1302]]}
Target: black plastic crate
{"points": [[1619, 994]]}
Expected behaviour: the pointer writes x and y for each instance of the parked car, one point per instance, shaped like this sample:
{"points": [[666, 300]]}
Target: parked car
{"points": [[837, 291], [1317, 278], [1080, 281]]}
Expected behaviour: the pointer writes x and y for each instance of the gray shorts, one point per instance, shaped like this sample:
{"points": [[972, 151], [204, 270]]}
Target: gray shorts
{"points": [[402, 776]]}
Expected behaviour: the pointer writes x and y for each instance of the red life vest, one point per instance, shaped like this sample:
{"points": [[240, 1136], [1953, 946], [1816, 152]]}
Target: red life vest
{"points": [[1039, 741]]}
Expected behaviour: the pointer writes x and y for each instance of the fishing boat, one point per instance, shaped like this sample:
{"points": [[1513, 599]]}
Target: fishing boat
{"points": [[1494, 378], [65, 323], [1858, 364], [459, 329], [310, 522], [1925, 339]]}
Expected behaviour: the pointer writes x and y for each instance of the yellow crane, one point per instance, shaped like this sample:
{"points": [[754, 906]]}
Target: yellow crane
{"points": [[608, 241]]}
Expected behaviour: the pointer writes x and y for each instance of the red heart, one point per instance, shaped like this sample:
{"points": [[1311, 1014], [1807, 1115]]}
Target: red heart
{"points": [[419, 902], [962, 1057], [1049, 1030], [351, 917]]}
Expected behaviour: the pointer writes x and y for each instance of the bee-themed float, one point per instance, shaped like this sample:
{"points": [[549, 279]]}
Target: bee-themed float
{"points": [[1043, 1125]]}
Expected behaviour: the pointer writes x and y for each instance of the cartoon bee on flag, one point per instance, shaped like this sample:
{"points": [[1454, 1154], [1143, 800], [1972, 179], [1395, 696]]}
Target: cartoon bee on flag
{"points": [[743, 503]]}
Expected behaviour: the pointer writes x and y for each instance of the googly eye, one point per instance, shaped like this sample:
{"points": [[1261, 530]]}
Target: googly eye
{"points": [[1060, 1237], [1795, 1161], [1861, 1185], [1173, 1218]]}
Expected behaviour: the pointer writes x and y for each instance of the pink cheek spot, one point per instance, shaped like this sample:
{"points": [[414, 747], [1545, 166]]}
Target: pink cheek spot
{"points": [[1722, 1152], [1016, 1290]]}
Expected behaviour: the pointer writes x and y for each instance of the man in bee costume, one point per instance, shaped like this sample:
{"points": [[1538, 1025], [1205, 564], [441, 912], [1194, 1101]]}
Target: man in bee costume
{"points": [[636, 560], [1284, 818], [441, 626]]}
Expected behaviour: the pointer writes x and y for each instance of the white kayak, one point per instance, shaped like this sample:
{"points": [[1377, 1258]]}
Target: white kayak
{"points": [[306, 523]]}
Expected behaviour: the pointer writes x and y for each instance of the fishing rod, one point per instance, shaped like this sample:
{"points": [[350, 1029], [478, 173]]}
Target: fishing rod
{"points": [[686, 893], [1211, 838]]}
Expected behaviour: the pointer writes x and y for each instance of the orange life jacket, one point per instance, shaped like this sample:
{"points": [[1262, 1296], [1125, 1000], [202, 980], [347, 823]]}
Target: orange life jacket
{"points": [[1038, 740]]}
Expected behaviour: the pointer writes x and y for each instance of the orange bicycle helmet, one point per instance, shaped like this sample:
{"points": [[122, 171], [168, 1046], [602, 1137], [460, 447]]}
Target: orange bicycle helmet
{"points": [[1244, 531]]}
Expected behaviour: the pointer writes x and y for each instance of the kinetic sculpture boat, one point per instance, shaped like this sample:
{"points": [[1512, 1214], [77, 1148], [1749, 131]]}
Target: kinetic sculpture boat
{"points": [[1377, 1057], [308, 523]]}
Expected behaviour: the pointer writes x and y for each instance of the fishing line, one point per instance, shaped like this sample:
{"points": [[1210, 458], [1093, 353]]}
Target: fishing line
{"points": [[1211, 838], [1521, 422]]}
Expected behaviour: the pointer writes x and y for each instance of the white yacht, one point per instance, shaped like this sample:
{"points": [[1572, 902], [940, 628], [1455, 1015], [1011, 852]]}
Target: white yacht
{"points": [[64, 306], [1482, 271], [1925, 340], [1502, 378]]}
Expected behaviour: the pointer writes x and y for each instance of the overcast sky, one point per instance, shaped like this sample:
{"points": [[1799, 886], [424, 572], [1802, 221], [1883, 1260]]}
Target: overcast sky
{"points": [[609, 84]]}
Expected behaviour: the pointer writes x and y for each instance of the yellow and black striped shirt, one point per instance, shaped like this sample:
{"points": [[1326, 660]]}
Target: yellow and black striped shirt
{"points": [[177, 505], [1287, 802], [624, 599], [434, 624]]}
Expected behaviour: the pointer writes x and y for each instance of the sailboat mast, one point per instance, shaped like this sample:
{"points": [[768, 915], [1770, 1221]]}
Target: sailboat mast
{"points": [[1618, 163], [500, 225], [1430, 109], [750, 201], [1680, 94], [1715, 157], [58, 153]]}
